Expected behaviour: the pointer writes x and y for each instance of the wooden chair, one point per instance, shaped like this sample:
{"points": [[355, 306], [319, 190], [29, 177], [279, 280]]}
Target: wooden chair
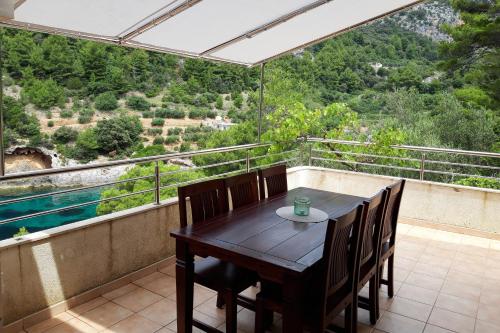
{"points": [[388, 243], [208, 200], [333, 281], [243, 189], [374, 218], [274, 179]]}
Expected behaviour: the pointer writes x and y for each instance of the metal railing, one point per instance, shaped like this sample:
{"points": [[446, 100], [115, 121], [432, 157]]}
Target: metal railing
{"points": [[245, 161], [410, 162], [411, 159]]}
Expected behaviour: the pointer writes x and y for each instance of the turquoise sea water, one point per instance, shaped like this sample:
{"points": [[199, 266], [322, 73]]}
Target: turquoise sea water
{"points": [[44, 204]]}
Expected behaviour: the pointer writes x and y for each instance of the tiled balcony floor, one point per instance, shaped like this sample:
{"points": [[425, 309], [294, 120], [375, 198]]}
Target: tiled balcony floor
{"points": [[445, 282]]}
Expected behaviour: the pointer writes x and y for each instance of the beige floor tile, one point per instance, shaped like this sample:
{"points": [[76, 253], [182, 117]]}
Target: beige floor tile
{"points": [[429, 259], [457, 304], [209, 308], [469, 268], [105, 315], [162, 312], [488, 313], [435, 329], [424, 281], [394, 323], [148, 278], [74, 325], [411, 309], [485, 327], [431, 270], [46, 324], [490, 297], [418, 294], [201, 295], [134, 324], [451, 320], [120, 291], [82, 308], [164, 286], [404, 263], [138, 299], [169, 270], [461, 290], [464, 278]]}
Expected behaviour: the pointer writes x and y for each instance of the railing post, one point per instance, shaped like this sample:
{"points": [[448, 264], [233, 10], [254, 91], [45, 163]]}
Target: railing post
{"points": [[157, 183], [422, 166], [310, 154], [248, 161]]}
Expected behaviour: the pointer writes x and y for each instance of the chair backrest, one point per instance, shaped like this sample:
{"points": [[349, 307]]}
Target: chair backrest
{"points": [[274, 179], [374, 220], [394, 195], [243, 189], [207, 199], [341, 254]]}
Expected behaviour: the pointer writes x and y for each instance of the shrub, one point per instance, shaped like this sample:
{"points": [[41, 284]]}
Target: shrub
{"points": [[86, 147], [74, 83], [138, 103], [154, 131], [219, 103], [238, 101], [66, 114], [193, 129], [64, 134], [171, 139], [44, 94], [147, 114], [49, 115], [185, 146], [192, 137], [157, 122], [211, 114], [198, 114], [158, 140], [50, 123], [170, 113], [106, 101], [152, 150], [21, 232], [174, 131], [153, 91], [479, 182], [85, 116], [118, 134]]}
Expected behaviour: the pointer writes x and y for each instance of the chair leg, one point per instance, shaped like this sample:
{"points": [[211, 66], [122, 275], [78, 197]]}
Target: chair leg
{"points": [[390, 276], [259, 315], [220, 300], [231, 311], [377, 297], [349, 325], [373, 301], [381, 274]]}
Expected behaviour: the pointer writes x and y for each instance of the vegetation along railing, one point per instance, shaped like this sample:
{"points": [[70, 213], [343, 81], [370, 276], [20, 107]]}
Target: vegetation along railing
{"points": [[152, 179]]}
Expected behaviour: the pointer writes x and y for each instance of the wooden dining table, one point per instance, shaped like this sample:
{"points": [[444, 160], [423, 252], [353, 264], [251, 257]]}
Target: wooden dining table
{"points": [[256, 238]]}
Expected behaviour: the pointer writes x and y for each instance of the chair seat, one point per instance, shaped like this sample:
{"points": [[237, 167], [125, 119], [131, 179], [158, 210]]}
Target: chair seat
{"points": [[216, 274]]}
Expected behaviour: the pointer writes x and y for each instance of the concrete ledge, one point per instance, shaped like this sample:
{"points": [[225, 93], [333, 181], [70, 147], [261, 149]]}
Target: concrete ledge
{"points": [[430, 202], [47, 268]]}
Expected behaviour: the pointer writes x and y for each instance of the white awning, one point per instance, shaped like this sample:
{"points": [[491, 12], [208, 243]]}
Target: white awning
{"points": [[245, 32]]}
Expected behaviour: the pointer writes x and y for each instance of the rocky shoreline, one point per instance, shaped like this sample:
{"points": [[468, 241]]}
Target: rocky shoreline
{"points": [[66, 180]]}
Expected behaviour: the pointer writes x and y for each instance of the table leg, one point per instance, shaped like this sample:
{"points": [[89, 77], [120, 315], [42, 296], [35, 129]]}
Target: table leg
{"points": [[184, 270], [293, 305]]}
